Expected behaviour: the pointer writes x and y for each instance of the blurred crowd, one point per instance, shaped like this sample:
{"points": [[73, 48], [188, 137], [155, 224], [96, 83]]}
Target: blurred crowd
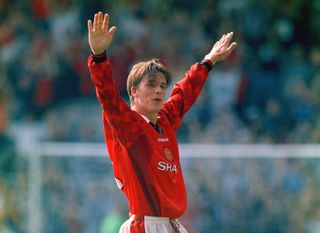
{"points": [[266, 92]]}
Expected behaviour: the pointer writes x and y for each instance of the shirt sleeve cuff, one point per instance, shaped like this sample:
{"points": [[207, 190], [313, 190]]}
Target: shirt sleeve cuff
{"points": [[99, 57], [207, 63]]}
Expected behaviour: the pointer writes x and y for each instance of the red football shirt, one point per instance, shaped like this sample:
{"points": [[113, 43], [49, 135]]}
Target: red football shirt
{"points": [[146, 163]]}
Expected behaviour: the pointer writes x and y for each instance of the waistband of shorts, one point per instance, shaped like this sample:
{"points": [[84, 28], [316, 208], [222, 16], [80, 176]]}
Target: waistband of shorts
{"points": [[152, 218]]}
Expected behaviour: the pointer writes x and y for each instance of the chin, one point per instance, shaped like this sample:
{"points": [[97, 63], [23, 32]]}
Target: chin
{"points": [[155, 110]]}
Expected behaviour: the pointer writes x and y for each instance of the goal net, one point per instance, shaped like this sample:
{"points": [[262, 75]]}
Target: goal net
{"points": [[231, 188]]}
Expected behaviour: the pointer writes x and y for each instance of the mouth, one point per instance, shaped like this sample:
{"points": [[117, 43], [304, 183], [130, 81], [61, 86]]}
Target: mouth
{"points": [[157, 99]]}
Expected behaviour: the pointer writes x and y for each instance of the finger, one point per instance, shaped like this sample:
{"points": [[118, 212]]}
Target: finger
{"points": [[229, 50], [112, 30], [89, 26], [95, 21], [105, 23], [222, 38], [229, 37], [226, 39], [232, 46], [100, 18], [219, 41]]}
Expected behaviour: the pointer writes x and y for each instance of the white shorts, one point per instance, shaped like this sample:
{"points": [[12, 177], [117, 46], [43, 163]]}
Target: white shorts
{"points": [[149, 224]]}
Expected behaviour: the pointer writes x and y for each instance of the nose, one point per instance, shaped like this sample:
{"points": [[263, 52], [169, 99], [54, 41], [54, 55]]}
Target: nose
{"points": [[159, 89]]}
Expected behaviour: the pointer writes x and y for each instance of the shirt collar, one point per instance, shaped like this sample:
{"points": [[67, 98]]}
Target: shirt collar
{"points": [[146, 118]]}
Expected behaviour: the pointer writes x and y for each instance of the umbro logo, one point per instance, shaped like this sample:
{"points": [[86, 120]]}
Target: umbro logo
{"points": [[163, 139]]}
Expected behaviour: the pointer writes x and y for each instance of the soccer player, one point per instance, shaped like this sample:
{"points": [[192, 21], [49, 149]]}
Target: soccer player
{"points": [[141, 137]]}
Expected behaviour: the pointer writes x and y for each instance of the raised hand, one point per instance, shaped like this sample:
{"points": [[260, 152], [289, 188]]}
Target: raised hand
{"points": [[99, 35], [221, 49]]}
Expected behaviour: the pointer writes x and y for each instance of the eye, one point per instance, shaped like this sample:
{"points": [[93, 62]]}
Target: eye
{"points": [[151, 83], [163, 86]]}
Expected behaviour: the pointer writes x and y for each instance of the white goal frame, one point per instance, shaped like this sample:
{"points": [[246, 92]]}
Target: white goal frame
{"points": [[36, 151]]}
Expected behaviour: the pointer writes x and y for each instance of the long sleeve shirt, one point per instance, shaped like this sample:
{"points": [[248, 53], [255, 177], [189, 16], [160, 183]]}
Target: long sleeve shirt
{"points": [[146, 163]]}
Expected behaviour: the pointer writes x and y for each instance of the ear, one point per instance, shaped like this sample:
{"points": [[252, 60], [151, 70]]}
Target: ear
{"points": [[133, 90], [133, 94]]}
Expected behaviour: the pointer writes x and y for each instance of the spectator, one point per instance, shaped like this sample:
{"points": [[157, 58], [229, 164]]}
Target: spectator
{"points": [[9, 214], [8, 156]]}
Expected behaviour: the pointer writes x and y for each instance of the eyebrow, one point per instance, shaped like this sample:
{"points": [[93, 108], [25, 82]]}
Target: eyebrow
{"points": [[153, 81]]}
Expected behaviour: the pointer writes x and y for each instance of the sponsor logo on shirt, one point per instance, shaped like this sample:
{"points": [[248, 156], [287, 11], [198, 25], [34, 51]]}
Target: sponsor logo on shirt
{"points": [[164, 166]]}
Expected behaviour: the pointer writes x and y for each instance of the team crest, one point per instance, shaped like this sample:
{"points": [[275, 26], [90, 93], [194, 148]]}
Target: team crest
{"points": [[168, 154]]}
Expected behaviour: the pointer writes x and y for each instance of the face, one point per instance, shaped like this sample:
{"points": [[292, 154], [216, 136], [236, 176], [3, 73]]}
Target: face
{"points": [[149, 95]]}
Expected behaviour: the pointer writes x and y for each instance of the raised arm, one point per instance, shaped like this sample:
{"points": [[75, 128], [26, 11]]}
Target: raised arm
{"points": [[99, 34], [100, 37], [187, 90]]}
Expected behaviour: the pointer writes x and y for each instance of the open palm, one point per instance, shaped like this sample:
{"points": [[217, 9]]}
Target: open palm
{"points": [[99, 35], [222, 48]]}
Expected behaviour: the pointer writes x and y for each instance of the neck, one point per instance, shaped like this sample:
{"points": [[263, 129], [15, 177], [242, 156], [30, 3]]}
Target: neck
{"points": [[151, 116], [153, 119]]}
